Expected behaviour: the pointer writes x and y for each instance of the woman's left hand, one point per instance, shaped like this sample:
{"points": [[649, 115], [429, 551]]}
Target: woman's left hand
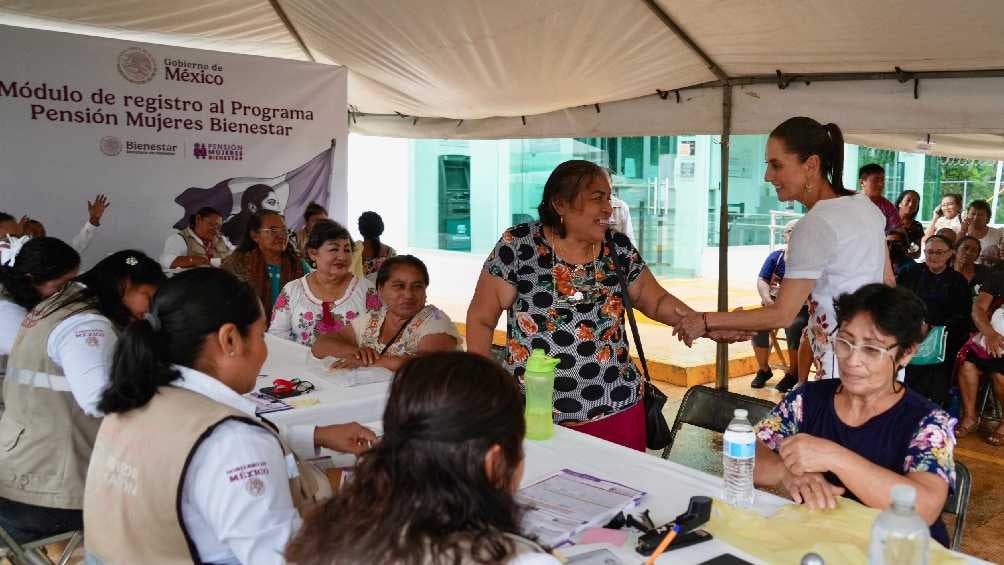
{"points": [[347, 438], [730, 336], [804, 453]]}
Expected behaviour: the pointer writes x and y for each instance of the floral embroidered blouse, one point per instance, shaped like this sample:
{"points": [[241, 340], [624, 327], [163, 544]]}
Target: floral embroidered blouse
{"points": [[574, 313], [429, 321], [300, 316], [913, 435]]}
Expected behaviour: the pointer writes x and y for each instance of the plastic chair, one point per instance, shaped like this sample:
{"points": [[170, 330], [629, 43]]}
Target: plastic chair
{"points": [[958, 502], [33, 553], [713, 409]]}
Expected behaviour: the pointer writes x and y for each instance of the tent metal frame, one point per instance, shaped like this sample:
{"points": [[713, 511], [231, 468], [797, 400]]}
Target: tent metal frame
{"points": [[726, 83]]}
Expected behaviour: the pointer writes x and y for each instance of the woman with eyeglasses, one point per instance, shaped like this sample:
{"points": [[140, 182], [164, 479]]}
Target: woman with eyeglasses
{"points": [[265, 259], [861, 434], [948, 299]]}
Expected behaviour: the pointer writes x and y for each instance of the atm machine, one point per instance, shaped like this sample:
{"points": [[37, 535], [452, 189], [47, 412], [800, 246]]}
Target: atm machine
{"points": [[455, 202]]}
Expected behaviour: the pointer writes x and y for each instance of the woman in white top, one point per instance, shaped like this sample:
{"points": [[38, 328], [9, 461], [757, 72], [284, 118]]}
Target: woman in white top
{"points": [[329, 298], [946, 215], [229, 490], [406, 326], [56, 371], [975, 225], [439, 486], [837, 247], [32, 272]]}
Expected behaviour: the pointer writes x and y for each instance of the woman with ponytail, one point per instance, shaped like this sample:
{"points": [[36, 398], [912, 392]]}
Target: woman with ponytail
{"points": [[838, 247], [183, 470], [374, 252], [58, 366]]}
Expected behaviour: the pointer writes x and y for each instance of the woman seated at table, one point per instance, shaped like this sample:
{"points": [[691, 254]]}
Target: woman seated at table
{"points": [[863, 433], [439, 486], [58, 366], [329, 298], [183, 471], [406, 326], [265, 259]]}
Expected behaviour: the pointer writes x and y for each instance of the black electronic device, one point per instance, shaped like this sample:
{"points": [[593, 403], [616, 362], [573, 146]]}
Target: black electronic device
{"points": [[698, 513]]}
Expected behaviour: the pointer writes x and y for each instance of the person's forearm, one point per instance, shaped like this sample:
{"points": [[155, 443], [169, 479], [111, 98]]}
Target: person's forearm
{"points": [[873, 484], [479, 336], [391, 362], [769, 317], [667, 309], [769, 468], [763, 287], [981, 320], [331, 346]]}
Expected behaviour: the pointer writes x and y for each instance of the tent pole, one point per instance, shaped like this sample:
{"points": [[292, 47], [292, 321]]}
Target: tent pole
{"points": [[279, 11], [722, 351], [997, 191]]}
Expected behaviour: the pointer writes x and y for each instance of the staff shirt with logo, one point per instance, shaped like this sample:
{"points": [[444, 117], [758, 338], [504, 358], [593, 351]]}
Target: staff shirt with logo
{"points": [[235, 502]]}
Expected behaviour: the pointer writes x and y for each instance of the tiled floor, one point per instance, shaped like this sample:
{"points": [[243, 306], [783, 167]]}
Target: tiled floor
{"points": [[983, 535]]}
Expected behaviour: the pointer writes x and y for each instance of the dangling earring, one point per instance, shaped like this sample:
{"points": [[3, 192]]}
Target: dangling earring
{"points": [[562, 219], [808, 187]]}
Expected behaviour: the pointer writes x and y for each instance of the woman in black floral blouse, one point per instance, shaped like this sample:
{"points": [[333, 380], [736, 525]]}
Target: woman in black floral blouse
{"points": [[558, 282]]}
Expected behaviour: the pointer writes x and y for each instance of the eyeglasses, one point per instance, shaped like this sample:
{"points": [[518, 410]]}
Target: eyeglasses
{"points": [[283, 386], [273, 231], [936, 253], [870, 353]]}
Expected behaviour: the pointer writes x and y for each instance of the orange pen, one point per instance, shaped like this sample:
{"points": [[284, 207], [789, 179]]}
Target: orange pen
{"points": [[670, 536]]}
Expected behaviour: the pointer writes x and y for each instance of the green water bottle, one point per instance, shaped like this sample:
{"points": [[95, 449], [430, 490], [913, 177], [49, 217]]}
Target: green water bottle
{"points": [[539, 379]]}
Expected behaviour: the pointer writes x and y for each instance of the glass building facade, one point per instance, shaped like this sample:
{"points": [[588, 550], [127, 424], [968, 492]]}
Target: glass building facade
{"points": [[462, 194]]}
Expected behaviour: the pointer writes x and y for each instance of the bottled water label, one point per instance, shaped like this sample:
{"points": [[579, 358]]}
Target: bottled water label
{"points": [[745, 448]]}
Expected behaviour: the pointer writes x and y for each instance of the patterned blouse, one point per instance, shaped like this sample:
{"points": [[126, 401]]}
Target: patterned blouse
{"points": [[300, 316], [372, 265], [574, 313], [913, 435], [429, 321]]}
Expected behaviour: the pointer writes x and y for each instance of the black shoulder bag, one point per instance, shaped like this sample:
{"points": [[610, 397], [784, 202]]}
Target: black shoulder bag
{"points": [[657, 434]]}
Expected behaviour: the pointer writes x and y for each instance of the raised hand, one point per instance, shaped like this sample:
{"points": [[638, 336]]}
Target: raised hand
{"points": [[97, 208]]}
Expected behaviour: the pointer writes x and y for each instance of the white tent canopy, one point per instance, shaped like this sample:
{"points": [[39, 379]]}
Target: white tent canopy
{"points": [[525, 68]]}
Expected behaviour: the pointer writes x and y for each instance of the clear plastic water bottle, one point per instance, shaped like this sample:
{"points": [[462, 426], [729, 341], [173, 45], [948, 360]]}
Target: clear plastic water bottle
{"points": [[738, 458], [899, 536]]}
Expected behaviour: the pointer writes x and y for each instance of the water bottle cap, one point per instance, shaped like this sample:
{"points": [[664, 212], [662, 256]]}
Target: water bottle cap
{"points": [[812, 559], [904, 495], [740, 413], [540, 362]]}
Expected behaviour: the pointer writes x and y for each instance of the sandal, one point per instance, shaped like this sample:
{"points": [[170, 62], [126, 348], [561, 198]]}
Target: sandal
{"points": [[962, 431], [996, 438]]}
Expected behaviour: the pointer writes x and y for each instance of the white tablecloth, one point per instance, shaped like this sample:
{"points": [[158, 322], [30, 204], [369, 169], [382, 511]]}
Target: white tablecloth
{"points": [[336, 404], [669, 485]]}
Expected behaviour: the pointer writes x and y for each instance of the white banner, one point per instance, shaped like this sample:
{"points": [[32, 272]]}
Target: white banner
{"points": [[163, 131]]}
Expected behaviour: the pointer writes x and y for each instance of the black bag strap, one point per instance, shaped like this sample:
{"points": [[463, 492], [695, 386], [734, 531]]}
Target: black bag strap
{"points": [[621, 267], [397, 335]]}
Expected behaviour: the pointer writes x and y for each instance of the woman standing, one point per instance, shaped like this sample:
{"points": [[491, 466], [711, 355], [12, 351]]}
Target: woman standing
{"points": [[265, 259], [405, 327], [439, 488], [327, 299], [196, 477], [374, 253], [560, 281], [57, 370], [908, 204], [949, 303], [837, 247]]}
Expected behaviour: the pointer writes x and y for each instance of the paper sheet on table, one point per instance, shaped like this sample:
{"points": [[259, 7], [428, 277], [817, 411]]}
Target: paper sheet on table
{"points": [[356, 377], [838, 536], [562, 505]]}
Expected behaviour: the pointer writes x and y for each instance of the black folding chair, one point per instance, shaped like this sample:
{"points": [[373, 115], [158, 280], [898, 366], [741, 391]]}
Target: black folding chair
{"points": [[713, 409], [958, 502], [33, 553]]}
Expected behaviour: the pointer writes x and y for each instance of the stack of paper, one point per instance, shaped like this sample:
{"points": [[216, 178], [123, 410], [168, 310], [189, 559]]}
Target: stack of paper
{"points": [[563, 505]]}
